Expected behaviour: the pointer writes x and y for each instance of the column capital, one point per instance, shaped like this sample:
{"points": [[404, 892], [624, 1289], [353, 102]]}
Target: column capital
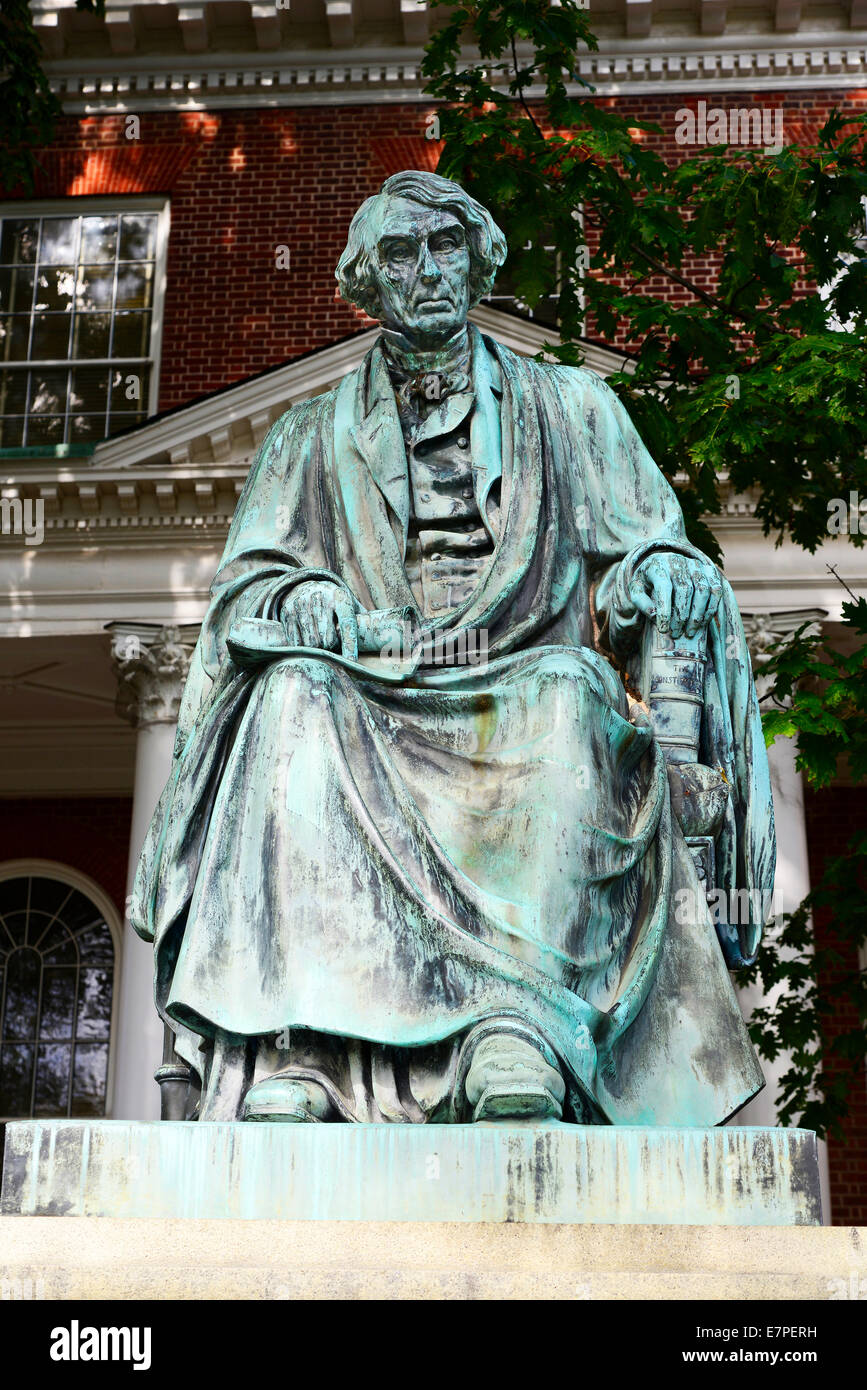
{"points": [[764, 629], [151, 663]]}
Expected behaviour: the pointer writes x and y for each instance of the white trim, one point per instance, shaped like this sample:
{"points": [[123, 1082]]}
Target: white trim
{"points": [[698, 64], [73, 878], [117, 204]]}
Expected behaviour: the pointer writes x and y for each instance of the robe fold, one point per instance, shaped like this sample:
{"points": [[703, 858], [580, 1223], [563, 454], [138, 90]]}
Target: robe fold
{"points": [[382, 866]]}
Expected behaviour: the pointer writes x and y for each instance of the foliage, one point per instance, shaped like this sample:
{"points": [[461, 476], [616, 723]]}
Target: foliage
{"points": [[746, 376]]}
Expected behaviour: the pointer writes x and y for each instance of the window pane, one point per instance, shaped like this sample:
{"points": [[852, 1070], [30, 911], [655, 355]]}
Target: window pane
{"points": [[55, 287], [89, 395], [13, 393], [16, 290], [48, 895], [83, 428], [88, 1079], [45, 429], [58, 1002], [48, 391], [96, 944], [52, 1079], [16, 1079], [23, 970], [91, 335], [116, 423], [16, 925], [11, 432], [14, 333], [50, 336], [98, 238], [134, 286], [59, 237], [138, 236], [79, 911], [94, 287], [94, 1004], [131, 335], [57, 946], [18, 240]]}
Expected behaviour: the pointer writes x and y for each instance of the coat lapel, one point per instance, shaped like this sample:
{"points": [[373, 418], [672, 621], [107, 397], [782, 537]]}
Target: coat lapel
{"points": [[369, 463], [486, 433], [379, 440]]}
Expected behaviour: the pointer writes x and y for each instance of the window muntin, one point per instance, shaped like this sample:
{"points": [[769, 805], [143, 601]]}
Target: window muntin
{"points": [[56, 987], [77, 323]]}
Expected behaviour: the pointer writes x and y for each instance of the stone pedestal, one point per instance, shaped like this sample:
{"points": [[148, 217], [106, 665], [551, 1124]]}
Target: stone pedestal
{"points": [[549, 1174]]}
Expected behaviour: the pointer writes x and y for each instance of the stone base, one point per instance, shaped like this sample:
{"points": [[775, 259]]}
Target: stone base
{"points": [[98, 1258], [550, 1174]]}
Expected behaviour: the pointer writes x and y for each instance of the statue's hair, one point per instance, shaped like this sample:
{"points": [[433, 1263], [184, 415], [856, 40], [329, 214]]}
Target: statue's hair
{"points": [[487, 246]]}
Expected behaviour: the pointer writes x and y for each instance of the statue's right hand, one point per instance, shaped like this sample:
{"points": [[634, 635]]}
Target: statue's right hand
{"points": [[320, 614]]}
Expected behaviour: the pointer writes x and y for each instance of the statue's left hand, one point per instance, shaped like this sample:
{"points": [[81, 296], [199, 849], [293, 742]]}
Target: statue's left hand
{"points": [[680, 593]]}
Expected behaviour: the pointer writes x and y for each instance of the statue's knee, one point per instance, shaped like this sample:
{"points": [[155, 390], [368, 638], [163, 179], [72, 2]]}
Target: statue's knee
{"points": [[302, 678]]}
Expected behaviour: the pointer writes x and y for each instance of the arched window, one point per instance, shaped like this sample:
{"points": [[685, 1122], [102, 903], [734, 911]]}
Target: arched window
{"points": [[57, 973]]}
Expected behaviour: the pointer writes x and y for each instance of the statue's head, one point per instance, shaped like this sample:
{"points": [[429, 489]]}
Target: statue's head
{"points": [[420, 254]]}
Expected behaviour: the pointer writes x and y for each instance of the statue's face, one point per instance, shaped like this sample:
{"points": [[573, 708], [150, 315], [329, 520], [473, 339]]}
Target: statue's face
{"points": [[423, 271]]}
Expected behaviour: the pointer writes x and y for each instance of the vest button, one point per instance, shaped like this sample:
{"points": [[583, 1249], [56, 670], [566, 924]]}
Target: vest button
{"points": [[467, 492], [436, 555], [425, 497], [463, 442]]}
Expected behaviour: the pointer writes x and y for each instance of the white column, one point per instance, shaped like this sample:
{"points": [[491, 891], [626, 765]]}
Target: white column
{"points": [[792, 882], [151, 663]]}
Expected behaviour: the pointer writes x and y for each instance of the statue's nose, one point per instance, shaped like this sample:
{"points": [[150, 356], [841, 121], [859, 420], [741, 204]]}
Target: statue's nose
{"points": [[429, 269]]}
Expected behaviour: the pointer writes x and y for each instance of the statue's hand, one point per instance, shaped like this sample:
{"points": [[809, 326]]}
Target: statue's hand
{"points": [[320, 614], [680, 593]]}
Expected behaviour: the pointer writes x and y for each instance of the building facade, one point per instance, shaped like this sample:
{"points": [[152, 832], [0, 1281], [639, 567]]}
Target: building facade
{"points": [[167, 292]]}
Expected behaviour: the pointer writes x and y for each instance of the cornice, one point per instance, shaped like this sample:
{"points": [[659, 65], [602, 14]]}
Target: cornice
{"points": [[736, 62]]}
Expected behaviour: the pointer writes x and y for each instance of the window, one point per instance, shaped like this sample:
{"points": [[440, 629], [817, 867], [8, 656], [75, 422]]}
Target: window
{"points": [[57, 967], [80, 298]]}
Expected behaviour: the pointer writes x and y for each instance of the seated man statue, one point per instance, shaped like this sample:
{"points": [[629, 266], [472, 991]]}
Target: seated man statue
{"points": [[451, 890]]}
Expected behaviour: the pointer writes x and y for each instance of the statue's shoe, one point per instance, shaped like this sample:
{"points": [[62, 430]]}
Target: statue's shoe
{"points": [[288, 1100], [510, 1077]]}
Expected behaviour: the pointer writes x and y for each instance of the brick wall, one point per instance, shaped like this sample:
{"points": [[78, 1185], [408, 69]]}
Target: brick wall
{"points": [[90, 834], [831, 815], [242, 183]]}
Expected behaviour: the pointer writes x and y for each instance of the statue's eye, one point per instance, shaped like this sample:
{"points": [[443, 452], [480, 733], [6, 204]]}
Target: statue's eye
{"points": [[400, 251]]}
